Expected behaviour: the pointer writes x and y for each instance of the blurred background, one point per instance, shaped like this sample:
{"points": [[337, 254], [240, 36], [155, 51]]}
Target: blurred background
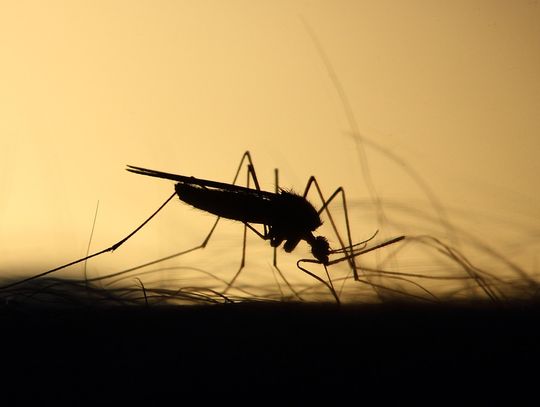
{"points": [[440, 136]]}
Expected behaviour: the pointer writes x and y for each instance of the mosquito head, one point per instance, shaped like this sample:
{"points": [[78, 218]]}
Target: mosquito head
{"points": [[320, 248]]}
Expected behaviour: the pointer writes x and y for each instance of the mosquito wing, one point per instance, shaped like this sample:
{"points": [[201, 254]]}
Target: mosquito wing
{"points": [[197, 181]]}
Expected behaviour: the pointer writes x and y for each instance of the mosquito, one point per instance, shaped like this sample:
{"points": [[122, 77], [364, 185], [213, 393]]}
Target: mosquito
{"points": [[286, 217]]}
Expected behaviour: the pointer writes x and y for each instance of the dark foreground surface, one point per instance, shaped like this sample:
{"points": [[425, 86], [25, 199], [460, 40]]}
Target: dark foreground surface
{"points": [[273, 353]]}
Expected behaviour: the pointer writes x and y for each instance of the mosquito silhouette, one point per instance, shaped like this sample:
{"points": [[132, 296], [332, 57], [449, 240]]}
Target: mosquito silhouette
{"points": [[287, 218]]}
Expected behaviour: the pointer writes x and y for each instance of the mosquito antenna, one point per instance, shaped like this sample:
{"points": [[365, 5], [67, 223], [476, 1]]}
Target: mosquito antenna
{"points": [[364, 251], [109, 249], [356, 245]]}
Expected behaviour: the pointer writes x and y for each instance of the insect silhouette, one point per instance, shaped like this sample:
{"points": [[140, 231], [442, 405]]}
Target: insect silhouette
{"points": [[287, 218]]}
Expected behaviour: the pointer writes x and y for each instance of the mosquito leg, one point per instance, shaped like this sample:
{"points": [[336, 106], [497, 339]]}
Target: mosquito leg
{"points": [[245, 157], [252, 175], [264, 237], [250, 172], [109, 249], [348, 249], [276, 178]]}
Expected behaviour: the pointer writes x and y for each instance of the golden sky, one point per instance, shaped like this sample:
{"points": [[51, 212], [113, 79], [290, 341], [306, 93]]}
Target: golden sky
{"points": [[451, 88]]}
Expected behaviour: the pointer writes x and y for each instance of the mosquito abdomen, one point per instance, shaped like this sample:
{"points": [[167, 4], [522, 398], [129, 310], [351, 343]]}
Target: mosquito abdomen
{"points": [[241, 206], [289, 214]]}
